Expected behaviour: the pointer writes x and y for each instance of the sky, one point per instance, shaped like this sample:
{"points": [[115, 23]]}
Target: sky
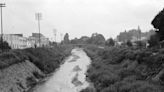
{"points": [[79, 17]]}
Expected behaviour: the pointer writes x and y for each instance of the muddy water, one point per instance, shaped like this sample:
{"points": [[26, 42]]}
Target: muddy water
{"points": [[71, 75]]}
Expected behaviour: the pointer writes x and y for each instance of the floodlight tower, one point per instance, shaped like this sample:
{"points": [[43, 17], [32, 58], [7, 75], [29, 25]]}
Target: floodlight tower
{"points": [[1, 6], [38, 17]]}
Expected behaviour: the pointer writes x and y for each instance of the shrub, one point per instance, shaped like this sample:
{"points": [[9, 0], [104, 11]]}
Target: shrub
{"points": [[11, 57], [47, 59], [119, 69]]}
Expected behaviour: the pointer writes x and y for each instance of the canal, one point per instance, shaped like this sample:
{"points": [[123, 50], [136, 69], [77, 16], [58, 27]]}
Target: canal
{"points": [[71, 76]]}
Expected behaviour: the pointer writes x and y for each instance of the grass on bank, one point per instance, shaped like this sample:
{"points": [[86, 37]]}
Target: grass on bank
{"points": [[118, 69], [46, 59]]}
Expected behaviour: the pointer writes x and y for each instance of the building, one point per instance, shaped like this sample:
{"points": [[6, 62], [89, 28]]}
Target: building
{"points": [[34, 40], [31, 42], [18, 41], [15, 41]]}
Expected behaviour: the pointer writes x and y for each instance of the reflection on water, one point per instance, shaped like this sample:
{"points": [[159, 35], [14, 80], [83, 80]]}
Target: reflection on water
{"points": [[71, 75]]}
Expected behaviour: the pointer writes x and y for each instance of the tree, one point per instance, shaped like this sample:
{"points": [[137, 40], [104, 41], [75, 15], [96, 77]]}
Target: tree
{"points": [[153, 41], [66, 38], [4, 45], [158, 23], [110, 42], [130, 34], [84, 40], [74, 41], [129, 43], [97, 39], [140, 44]]}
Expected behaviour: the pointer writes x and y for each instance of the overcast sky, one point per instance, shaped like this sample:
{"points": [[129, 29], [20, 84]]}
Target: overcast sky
{"points": [[79, 17]]}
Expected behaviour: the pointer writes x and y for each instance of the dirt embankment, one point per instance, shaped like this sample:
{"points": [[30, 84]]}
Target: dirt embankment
{"points": [[21, 70], [19, 77]]}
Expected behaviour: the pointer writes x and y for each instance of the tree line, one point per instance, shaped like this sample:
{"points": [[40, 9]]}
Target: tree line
{"points": [[155, 36], [96, 39]]}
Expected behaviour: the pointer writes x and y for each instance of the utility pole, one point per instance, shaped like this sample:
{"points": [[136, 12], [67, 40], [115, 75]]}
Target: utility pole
{"points": [[38, 17], [139, 30], [2, 5]]}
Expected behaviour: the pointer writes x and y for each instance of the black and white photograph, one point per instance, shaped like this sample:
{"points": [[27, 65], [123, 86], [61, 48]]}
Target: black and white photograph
{"points": [[81, 45]]}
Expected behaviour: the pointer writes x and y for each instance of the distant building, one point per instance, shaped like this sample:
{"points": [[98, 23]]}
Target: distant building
{"points": [[31, 42], [36, 35], [35, 38], [15, 41], [134, 35]]}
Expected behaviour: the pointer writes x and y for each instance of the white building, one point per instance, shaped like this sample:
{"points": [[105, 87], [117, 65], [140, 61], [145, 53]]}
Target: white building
{"points": [[31, 42], [15, 41], [43, 40]]}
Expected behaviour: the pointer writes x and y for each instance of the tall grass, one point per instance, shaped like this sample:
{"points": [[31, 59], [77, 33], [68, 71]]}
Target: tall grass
{"points": [[119, 69], [46, 59]]}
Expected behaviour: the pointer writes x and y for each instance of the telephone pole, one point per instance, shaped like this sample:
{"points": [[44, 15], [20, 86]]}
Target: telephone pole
{"points": [[139, 34], [38, 17], [2, 5]]}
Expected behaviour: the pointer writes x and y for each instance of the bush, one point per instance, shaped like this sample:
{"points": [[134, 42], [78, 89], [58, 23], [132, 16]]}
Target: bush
{"points": [[11, 57], [4, 46], [46, 59], [154, 40], [119, 69]]}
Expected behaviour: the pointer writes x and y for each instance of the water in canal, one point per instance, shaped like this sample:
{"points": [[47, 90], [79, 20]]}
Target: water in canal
{"points": [[70, 77]]}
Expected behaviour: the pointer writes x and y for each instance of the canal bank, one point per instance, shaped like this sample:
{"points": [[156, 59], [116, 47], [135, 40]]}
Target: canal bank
{"points": [[21, 70]]}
